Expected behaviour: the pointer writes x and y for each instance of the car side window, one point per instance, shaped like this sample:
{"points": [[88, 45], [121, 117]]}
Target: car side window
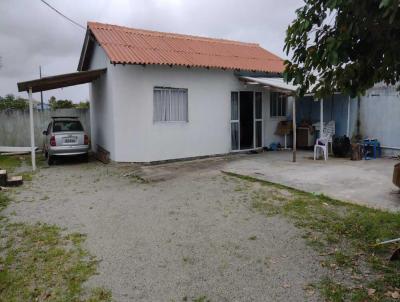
{"points": [[48, 128]]}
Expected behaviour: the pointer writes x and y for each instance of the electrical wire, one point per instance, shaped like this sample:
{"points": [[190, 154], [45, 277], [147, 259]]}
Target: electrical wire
{"points": [[61, 14]]}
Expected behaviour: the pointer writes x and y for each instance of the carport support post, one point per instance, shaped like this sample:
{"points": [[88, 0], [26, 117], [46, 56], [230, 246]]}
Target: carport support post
{"points": [[348, 117], [32, 130], [294, 128]]}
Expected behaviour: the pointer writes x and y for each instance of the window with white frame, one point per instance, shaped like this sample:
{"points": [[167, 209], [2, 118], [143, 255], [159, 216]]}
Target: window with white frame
{"points": [[170, 104], [278, 104]]}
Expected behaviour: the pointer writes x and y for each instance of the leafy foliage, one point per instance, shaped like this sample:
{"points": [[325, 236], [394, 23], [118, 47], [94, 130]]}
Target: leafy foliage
{"points": [[62, 104], [82, 105], [342, 45], [12, 102]]}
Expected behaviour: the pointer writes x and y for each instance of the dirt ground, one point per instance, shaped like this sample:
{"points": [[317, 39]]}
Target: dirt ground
{"points": [[173, 232]]}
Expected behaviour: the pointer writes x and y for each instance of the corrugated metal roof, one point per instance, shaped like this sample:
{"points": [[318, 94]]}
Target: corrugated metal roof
{"points": [[277, 83], [125, 45]]}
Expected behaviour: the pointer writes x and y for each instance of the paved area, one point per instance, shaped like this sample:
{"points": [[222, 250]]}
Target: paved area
{"points": [[366, 182], [175, 232]]}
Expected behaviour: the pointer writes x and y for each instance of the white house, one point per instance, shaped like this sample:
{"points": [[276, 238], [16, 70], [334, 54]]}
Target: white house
{"points": [[169, 96]]}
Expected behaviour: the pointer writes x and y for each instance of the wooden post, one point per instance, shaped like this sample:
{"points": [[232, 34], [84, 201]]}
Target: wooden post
{"points": [[294, 129], [348, 117], [32, 130], [321, 128]]}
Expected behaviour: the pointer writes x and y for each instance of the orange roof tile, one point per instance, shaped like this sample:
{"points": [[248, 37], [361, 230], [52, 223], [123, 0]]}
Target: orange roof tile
{"points": [[135, 46]]}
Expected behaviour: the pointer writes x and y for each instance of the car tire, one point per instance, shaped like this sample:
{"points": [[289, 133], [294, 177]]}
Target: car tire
{"points": [[50, 160], [85, 158]]}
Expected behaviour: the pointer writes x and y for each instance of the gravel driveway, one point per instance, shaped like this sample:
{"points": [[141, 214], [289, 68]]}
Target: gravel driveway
{"points": [[173, 232]]}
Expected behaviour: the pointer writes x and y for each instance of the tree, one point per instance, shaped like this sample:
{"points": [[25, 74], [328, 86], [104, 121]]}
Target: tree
{"points": [[343, 45], [82, 105], [12, 102], [60, 104]]}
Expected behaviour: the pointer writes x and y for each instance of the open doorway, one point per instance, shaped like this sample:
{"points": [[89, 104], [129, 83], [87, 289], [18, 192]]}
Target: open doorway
{"points": [[246, 120]]}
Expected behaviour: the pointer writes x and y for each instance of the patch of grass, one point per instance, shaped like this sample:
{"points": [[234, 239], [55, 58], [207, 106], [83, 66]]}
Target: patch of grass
{"points": [[345, 233], [39, 263], [27, 176], [4, 201], [332, 291], [138, 179], [201, 299], [10, 162]]}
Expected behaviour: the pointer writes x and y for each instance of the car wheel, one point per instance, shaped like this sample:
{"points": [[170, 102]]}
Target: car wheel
{"points": [[50, 160], [85, 158]]}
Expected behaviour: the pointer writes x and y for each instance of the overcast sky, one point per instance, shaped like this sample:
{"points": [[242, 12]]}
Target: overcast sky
{"points": [[31, 34]]}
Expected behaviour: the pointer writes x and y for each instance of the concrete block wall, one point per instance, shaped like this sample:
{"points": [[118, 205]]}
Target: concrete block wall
{"points": [[14, 125]]}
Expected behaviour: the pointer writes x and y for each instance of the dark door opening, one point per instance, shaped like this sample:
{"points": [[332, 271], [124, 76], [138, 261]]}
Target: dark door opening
{"points": [[246, 120]]}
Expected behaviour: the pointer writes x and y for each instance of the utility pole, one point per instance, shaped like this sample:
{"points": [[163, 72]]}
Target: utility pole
{"points": [[41, 92]]}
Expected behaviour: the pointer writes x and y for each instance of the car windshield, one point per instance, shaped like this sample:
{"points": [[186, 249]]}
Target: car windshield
{"points": [[63, 126]]}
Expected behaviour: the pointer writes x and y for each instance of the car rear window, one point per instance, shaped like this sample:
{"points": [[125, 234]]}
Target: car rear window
{"points": [[63, 126]]}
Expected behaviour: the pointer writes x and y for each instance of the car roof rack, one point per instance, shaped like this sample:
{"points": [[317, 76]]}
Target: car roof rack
{"points": [[64, 117]]}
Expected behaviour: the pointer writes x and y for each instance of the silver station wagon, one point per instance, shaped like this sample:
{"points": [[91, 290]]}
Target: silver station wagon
{"points": [[65, 136]]}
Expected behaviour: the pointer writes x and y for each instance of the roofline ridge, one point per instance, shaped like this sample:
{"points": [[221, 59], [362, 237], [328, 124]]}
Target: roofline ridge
{"points": [[173, 34]]}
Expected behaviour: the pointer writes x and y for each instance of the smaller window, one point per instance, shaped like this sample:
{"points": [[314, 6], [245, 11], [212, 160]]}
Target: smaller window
{"points": [[258, 105], [278, 104], [170, 105]]}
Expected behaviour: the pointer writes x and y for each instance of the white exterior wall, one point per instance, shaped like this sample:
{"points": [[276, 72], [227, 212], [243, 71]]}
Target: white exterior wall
{"points": [[140, 139], [270, 123], [380, 117], [102, 105], [122, 112]]}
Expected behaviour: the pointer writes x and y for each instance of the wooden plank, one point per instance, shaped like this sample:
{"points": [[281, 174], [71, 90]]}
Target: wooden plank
{"points": [[14, 181]]}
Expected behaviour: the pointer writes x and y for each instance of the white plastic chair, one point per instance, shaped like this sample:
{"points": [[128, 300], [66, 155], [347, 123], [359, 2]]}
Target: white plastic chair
{"points": [[321, 144], [329, 132]]}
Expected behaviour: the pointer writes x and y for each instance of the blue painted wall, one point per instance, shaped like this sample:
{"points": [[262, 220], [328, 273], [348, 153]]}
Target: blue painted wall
{"points": [[335, 108], [379, 115]]}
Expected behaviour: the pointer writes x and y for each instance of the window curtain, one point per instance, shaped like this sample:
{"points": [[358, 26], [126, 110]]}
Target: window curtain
{"points": [[170, 104]]}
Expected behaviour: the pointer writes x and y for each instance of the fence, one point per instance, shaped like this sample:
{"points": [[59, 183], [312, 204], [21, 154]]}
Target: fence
{"points": [[14, 125]]}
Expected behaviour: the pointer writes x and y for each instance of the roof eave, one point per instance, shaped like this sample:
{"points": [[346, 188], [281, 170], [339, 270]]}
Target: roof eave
{"points": [[85, 56]]}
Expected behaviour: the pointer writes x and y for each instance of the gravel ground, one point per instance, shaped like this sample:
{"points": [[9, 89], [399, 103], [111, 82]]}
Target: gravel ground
{"points": [[172, 232]]}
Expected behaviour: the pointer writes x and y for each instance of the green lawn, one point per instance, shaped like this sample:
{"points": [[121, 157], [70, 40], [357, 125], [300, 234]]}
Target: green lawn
{"points": [[344, 234]]}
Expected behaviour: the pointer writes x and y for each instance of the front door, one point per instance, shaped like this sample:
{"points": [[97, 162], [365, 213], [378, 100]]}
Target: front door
{"points": [[246, 120]]}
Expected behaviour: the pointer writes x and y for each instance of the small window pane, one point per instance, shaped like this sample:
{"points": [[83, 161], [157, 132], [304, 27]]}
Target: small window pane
{"points": [[273, 104], [258, 134], [284, 102], [235, 136], [234, 106], [258, 105], [278, 104], [170, 104]]}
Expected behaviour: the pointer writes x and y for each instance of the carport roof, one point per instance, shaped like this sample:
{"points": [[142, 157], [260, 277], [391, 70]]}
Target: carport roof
{"points": [[61, 80], [277, 84]]}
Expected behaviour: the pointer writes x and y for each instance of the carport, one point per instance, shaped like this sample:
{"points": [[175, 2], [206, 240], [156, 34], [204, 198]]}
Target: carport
{"points": [[54, 82]]}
